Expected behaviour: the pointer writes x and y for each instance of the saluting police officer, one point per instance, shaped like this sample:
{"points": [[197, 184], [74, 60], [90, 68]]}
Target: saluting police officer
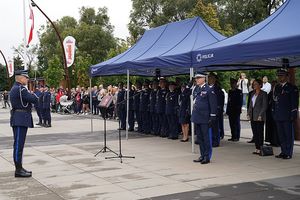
{"points": [[21, 118], [217, 125], [204, 113], [38, 93], [172, 108], [46, 107], [160, 107], [285, 111], [144, 108], [153, 114]]}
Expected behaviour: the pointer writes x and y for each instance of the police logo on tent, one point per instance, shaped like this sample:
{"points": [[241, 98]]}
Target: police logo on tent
{"points": [[201, 57]]}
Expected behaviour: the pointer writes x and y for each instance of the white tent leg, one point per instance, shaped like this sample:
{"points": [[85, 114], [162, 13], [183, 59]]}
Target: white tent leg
{"points": [[127, 102], [91, 106], [192, 105]]}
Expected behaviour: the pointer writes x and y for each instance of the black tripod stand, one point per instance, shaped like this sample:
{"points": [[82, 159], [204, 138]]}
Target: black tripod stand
{"points": [[105, 148], [120, 155]]}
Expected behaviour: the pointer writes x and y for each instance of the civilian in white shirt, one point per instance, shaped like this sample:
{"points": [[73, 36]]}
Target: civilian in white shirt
{"points": [[266, 85]]}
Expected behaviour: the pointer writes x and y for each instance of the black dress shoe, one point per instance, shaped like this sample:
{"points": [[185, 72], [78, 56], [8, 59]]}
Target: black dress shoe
{"points": [[39, 124], [281, 155], [215, 145], [199, 160], [21, 173], [251, 141], [30, 172], [205, 161], [131, 129], [186, 140], [285, 157], [196, 142]]}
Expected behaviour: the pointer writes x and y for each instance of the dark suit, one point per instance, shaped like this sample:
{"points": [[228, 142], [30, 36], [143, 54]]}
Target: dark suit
{"points": [[21, 118], [257, 109]]}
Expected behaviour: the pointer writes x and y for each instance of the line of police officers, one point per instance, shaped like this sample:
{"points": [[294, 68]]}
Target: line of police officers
{"points": [[43, 106]]}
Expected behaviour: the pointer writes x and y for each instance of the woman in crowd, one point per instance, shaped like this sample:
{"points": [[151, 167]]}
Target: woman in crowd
{"points": [[86, 102], [257, 113]]}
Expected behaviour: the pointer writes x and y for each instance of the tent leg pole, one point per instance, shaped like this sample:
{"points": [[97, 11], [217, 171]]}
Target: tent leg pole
{"points": [[192, 105], [91, 106], [127, 102]]}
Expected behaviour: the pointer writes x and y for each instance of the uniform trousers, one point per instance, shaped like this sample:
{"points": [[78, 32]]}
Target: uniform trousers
{"points": [[215, 132], [173, 126], [235, 126], [38, 111], [204, 137], [286, 136], [20, 133], [131, 119], [47, 115], [145, 121], [154, 123], [163, 125]]}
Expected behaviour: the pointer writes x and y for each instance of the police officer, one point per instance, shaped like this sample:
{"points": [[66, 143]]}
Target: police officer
{"points": [[136, 102], [38, 92], [144, 108], [285, 111], [131, 108], [160, 108], [203, 115], [172, 108], [218, 125], [121, 109], [153, 114], [234, 110], [46, 107], [21, 118]]}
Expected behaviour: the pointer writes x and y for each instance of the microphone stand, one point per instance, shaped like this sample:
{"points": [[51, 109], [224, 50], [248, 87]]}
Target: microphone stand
{"points": [[120, 155]]}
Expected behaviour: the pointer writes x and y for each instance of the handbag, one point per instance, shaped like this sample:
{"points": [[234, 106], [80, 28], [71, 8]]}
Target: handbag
{"points": [[266, 151]]}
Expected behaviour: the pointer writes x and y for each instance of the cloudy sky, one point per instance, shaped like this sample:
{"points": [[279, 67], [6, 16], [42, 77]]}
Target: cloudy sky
{"points": [[11, 18]]}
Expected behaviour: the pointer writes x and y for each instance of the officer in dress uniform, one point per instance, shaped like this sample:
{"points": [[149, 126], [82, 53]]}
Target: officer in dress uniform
{"points": [[46, 107], [160, 108], [219, 123], [234, 110], [285, 111], [21, 118], [131, 108], [136, 100], [203, 115], [171, 111], [38, 93], [144, 108], [121, 108], [153, 114]]}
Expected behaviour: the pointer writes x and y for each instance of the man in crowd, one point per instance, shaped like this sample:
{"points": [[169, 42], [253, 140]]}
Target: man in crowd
{"points": [[160, 107], [153, 114], [285, 111], [21, 119], [46, 107], [266, 85], [203, 114], [144, 108]]}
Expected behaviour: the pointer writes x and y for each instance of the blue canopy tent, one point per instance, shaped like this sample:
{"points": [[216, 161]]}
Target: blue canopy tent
{"points": [[261, 46], [166, 47]]}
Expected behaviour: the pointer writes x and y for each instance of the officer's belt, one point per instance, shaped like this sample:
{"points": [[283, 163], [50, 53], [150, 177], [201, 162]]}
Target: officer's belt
{"points": [[20, 110]]}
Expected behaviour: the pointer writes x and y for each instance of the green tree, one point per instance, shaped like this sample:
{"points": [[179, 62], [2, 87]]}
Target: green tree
{"points": [[3, 78], [81, 70], [18, 63], [147, 14], [55, 73]]}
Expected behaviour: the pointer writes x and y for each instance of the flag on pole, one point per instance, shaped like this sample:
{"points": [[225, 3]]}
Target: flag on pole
{"points": [[10, 67], [31, 17], [69, 45]]}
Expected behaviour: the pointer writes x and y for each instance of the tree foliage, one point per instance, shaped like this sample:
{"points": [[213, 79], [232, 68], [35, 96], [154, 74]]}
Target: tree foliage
{"points": [[94, 39], [54, 73], [3, 78]]}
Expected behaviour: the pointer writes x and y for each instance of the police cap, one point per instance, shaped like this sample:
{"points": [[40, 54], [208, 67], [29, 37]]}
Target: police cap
{"points": [[200, 75], [22, 73]]}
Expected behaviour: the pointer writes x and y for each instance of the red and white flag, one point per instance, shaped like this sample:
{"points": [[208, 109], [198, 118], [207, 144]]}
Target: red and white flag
{"points": [[69, 45], [31, 17], [10, 67]]}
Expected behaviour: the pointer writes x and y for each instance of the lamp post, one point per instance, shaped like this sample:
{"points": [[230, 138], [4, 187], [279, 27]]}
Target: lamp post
{"points": [[7, 73], [62, 46]]}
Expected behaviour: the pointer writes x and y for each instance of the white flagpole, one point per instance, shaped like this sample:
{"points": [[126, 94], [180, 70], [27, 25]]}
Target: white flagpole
{"points": [[192, 105], [25, 35]]}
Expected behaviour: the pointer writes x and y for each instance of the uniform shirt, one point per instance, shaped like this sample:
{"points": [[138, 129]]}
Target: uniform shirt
{"points": [[184, 101], [120, 100], [172, 103], [46, 100], [205, 105], [136, 100], [160, 106], [235, 102], [145, 100], [220, 96], [21, 101], [286, 102], [131, 102]]}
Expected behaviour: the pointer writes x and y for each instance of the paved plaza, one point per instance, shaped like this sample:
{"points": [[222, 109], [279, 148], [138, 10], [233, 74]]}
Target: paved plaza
{"points": [[64, 166]]}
